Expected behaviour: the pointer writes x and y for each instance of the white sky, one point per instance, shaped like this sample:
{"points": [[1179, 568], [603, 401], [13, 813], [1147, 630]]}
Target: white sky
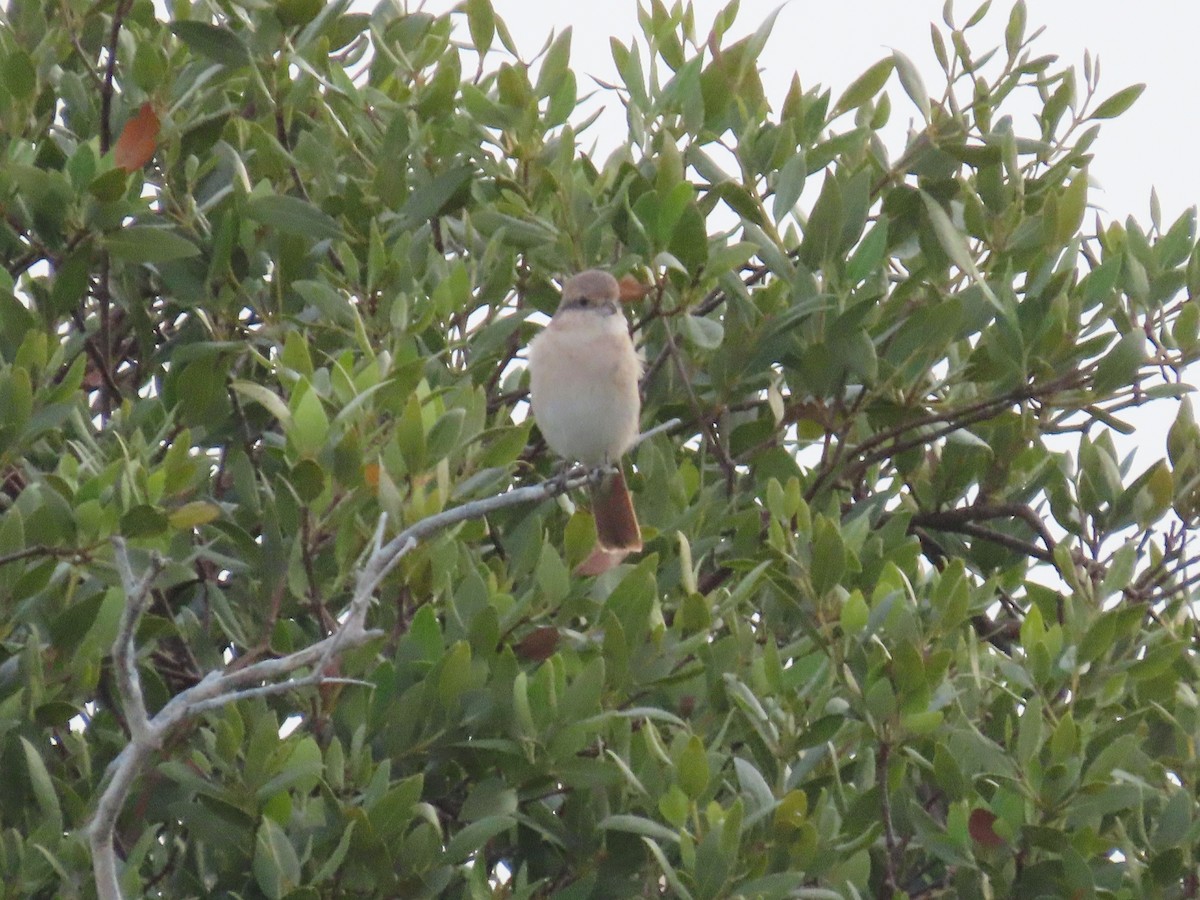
{"points": [[1151, 41]]}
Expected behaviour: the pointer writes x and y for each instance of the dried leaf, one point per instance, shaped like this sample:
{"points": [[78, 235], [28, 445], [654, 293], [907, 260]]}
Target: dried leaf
{"points": [[539, 644], [980, 825], [138, 141], [632, 290]]}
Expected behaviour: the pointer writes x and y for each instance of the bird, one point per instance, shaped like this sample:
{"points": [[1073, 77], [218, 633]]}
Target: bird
{"points": [[583, 385]]}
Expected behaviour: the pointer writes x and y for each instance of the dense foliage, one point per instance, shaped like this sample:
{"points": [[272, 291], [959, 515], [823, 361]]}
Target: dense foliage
{"points": [[906, 621]]}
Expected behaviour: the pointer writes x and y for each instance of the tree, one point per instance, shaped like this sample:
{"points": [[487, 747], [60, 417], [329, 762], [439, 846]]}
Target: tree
{"points": [[289, 610]]}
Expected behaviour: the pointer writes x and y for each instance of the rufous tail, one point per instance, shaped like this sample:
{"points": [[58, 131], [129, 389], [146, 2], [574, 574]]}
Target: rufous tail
{"points": [[616, 522]]}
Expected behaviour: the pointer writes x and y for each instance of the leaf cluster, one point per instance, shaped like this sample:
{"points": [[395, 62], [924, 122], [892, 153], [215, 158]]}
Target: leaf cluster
{"points": [[907, 620]]}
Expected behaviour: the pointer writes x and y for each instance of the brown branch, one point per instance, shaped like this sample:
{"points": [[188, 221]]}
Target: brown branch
{"points": [[888, 443], [98, 356], [110, 72], [36, 550], [982, 532], [960, 518]]}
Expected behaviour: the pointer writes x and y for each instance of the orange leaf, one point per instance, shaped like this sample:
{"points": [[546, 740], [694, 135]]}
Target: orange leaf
{"points": [[138, 140], [371, 475], [632, 290], [980, 825]]}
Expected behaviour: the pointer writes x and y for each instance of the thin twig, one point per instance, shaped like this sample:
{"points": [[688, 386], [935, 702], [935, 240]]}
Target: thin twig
{"points": [[110, 71]]}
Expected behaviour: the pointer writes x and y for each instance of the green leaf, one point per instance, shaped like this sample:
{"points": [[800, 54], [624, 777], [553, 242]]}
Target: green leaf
{"points": [[456, 673], [910, 80], [789, 184], [638, 825], [866, 86], [481, 21], [492, 797], [143, 520], [1118, 367], [435, 196], [704, 332], [1014, 31], [672, 877], [554, 65], [310, 424], [828, 555], [276, 865], [855, 613], [954, 243], [552, 576], [674, 806], [43, 786], [473, 836], [1174, 821], [69, 627], [216, 42], [266, 397], [869, 253], [693, 768], [293, 215], [823, 230], [1118, 102], [582, 697], [1030, 731], [758, 794], [300, 771], [148, 244], [332, 304], [1072, 204], [297, 13], [1187, 327], [194, 514], [443, 437], [332, 863], [522, 709], [18, 75]]}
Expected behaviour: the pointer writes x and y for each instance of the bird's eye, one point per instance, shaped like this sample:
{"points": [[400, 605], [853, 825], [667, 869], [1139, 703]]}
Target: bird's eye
{"points": [[584, 302]]}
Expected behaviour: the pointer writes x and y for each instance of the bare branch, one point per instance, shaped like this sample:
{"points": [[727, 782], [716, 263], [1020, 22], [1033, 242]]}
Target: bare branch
{"points": [[110, 71], [964, 520], [137, 600], [280, 687]]}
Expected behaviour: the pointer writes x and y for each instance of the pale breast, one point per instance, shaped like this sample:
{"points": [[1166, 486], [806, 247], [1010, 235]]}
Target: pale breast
{"points": [[583, 374]]}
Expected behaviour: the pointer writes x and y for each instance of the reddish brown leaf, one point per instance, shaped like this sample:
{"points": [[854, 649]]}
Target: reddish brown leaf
{"points": [[600, 561], [539, 644], [980, 826], [138, 140], [632, 290]]}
